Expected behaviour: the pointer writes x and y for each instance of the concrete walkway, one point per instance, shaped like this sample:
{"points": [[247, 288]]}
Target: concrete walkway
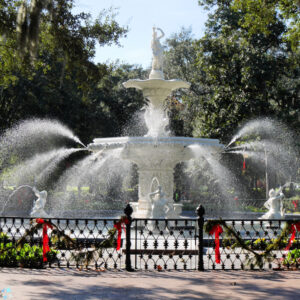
{"points": [[74, 284]]}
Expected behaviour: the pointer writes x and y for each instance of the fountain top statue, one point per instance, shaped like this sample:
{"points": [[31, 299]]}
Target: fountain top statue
{"points": [[156, 89], [158, 55]]}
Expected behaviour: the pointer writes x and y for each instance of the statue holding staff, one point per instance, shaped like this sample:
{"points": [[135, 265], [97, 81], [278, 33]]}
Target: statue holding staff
{"points": [[157, 50]]}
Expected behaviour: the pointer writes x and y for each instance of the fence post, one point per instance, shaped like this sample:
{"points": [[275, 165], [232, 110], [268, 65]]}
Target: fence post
{"points": [[128, 212], [200, 212]]}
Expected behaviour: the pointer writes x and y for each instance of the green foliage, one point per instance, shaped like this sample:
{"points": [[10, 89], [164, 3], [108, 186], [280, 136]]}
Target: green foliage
{"points": [[260, 15], [23, 255], [3, 238], [180, 57], [254, 209], [263, 244], [61, 82], [292, 258], [246, 74], [237, 73]]}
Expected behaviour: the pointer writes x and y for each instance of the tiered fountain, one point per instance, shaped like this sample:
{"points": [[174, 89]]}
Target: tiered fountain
{"points": [[157, 153]]}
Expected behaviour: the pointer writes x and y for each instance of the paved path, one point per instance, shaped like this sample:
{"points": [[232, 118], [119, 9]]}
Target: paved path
{"points": [[67, 284]]}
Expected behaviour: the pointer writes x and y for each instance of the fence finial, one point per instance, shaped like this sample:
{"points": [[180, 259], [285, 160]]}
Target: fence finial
{"points": [[128, 210], [200, 211]]}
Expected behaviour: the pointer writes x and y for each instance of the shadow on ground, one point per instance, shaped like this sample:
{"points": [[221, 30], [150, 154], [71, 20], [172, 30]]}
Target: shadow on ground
{"points": [[75, 284]]}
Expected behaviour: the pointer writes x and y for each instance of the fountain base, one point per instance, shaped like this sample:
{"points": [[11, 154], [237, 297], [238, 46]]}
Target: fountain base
{"points": [[144, 210]]}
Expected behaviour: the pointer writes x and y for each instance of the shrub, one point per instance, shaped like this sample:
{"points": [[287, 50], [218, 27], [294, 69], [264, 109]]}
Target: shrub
{"points": [[22, 256]]}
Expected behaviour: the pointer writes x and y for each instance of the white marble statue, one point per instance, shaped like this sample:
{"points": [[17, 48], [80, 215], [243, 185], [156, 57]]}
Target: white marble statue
{"points": [[274, 205], [157, 50], [39, 204], [159, 203]]}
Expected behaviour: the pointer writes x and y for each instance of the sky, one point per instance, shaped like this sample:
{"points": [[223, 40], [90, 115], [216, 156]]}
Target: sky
{"points": [[140, 16]]}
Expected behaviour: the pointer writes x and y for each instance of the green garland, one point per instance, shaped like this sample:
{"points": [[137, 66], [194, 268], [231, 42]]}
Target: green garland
{"points": [[234, 240]]}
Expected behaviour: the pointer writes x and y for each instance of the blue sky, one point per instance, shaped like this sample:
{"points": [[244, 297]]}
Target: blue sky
{"points": [[140, 16]]}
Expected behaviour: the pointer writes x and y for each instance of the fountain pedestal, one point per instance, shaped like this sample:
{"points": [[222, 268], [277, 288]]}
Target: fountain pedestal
{"points": [[155, 160]]}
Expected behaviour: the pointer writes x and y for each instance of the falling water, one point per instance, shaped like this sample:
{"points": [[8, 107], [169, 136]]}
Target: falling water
{"points": [[60, 155], [156, 121], [280, 157], [36, 169], [102, 166], [136, 126], [39, 166], [261, 126], [226, 180], [34, 135]]}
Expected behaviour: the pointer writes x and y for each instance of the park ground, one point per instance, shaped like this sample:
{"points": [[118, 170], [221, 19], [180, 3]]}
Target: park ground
{"points": [[75, 284]]}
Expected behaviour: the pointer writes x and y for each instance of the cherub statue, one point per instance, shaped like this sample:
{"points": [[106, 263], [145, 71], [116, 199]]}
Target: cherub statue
{"points": [[39, 204], [159, 203], [274, 205]]}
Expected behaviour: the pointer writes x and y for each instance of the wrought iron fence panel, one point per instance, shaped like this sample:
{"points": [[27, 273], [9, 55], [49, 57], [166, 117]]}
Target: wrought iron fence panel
{"points": [[153, 244], [252, 244], [165, 244], [84, 251]]}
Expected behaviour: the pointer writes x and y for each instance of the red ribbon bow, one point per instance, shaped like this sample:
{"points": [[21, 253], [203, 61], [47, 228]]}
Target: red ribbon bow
{"points": [[119, 226], [295, 203], [217, 230], [294, 228], [45, 237], [244, 164]]}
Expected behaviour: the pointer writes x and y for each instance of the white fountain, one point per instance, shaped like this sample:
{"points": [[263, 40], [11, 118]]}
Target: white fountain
{"points": [[157, 153]]}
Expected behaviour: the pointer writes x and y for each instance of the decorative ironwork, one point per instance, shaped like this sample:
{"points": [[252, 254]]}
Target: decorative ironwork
{"points": [[254, 244], [165, 244], [87, 236], [153, 244]]}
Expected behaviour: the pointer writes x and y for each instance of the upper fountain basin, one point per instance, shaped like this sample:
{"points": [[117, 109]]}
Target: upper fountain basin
{"points": [[156, 90], [174, 149]]}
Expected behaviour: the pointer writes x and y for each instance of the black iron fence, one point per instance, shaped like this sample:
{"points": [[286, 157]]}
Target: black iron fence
{"points": [[150, 244]]}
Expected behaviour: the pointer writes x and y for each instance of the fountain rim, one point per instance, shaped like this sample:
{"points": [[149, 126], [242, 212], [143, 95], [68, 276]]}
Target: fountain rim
{"points": [[157, 83], [183, 141]]}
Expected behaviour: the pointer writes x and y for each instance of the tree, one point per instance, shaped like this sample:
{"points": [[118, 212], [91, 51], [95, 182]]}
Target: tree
{"points": [[180, 58], [235, 75], [60, 81], [110, 106], [246, 75], [259, 15], [51, 73]]}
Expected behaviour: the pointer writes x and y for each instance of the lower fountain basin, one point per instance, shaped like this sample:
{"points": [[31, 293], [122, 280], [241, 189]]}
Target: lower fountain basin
{"points": [[156, 157]]}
